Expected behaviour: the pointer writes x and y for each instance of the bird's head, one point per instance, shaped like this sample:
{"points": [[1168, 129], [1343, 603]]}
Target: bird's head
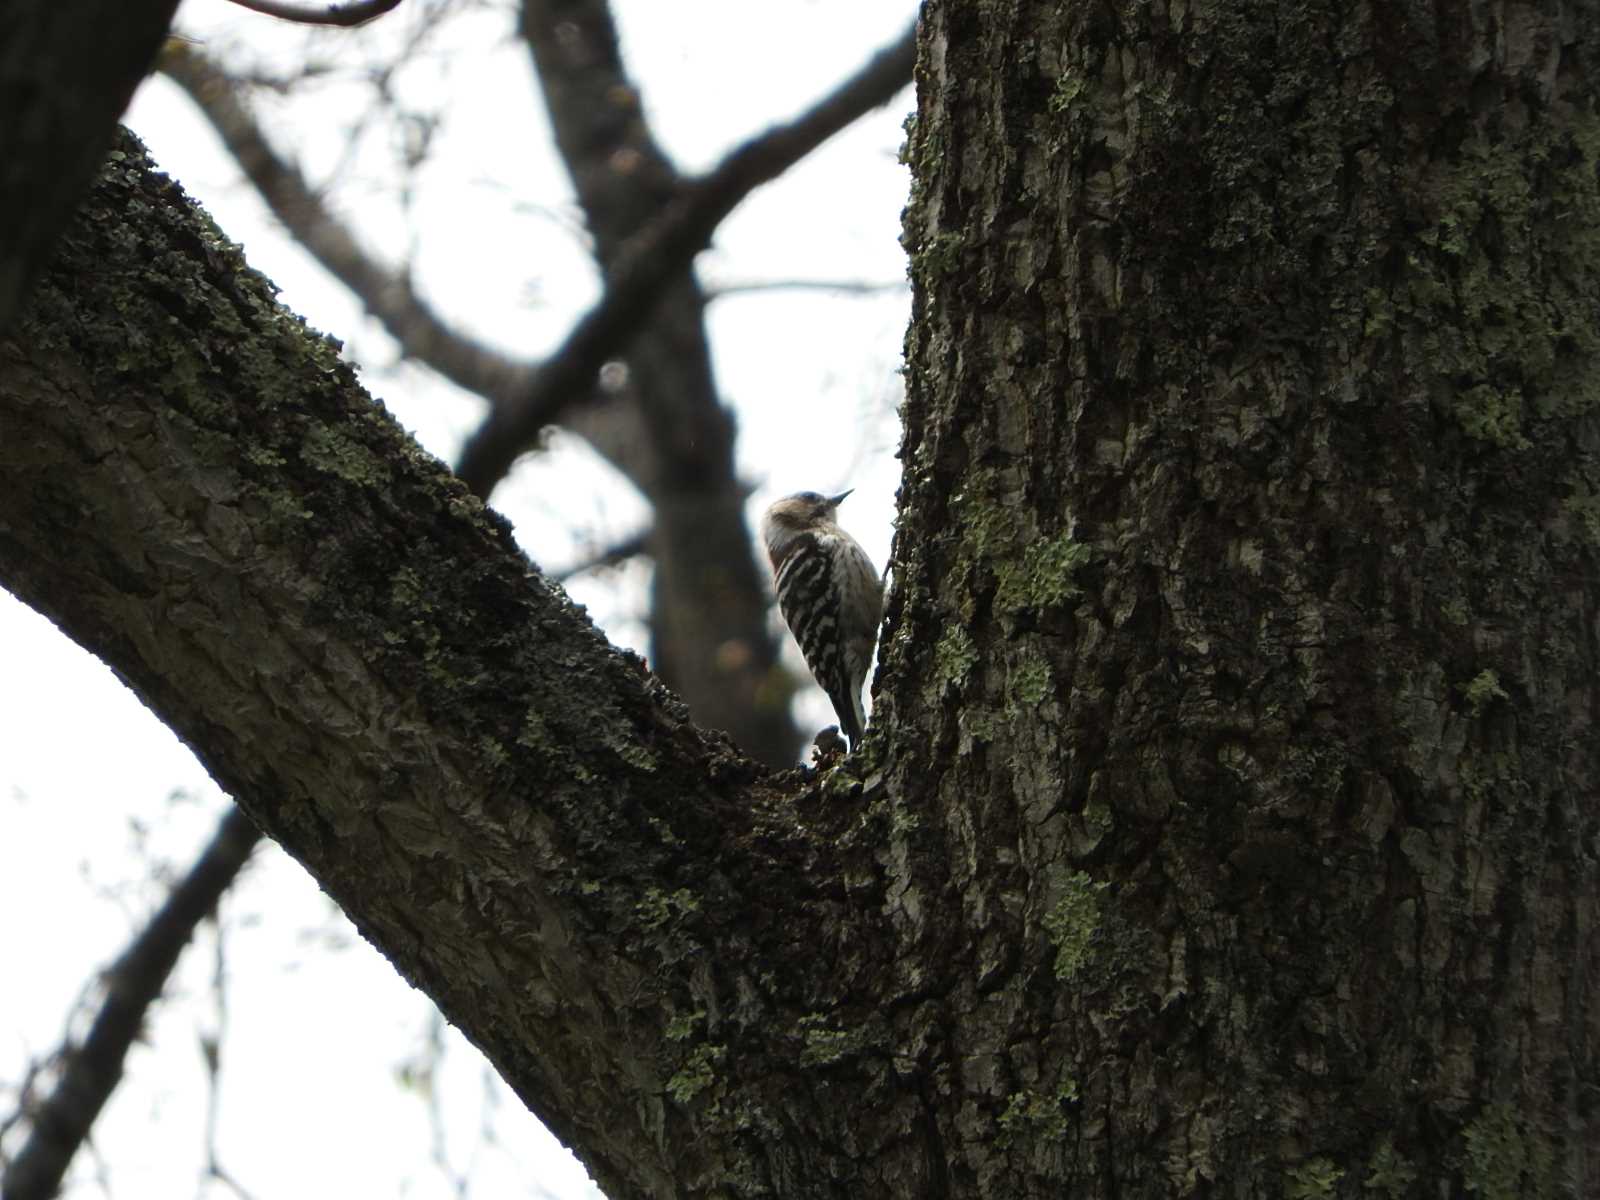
{"points": [[803, 510], [800, 513]]}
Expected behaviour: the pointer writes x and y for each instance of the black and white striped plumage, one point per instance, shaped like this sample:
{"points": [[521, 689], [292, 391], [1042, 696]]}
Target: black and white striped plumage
{"points": [[830, 596]]}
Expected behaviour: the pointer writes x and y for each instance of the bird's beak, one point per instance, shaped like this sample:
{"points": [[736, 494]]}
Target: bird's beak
{"points": [[834, 501]]}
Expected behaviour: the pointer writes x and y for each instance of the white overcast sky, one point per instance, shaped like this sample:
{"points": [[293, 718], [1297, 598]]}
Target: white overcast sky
{"points": [[100, 805]]}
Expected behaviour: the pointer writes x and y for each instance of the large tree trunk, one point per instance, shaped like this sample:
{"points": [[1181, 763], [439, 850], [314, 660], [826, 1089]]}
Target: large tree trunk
{"points": [[1243, 665], [1225, 828]]}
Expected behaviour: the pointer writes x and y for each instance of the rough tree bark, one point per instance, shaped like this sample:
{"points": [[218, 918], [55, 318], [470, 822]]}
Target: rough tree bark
{"points": [[1251, 516], [1225, 827]]}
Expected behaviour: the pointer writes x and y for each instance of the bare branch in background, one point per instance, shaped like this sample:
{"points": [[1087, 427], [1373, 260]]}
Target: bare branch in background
{"points": [[612, 556], [211, 1043], [359, 12], [709, 634], [661, 253], [422, 334], [524, 399], [87, 1073], [387, 293]]}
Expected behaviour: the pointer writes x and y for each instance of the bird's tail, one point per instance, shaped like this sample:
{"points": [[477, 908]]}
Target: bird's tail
{"points": [[852, 716]]}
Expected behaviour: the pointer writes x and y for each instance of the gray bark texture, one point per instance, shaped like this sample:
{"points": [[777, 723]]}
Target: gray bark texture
{"points": [[1251, 519], [1226, 826]]}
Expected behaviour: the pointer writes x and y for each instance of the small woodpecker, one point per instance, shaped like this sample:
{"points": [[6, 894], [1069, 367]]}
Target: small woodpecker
{"points": [[830, 595]]}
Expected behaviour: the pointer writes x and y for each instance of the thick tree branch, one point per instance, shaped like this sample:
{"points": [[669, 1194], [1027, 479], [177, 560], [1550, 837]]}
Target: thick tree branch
{"points": [[650, 262], [521, 818], [62, 89], [88, 1072]]}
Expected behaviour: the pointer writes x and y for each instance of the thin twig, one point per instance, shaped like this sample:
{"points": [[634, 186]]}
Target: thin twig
{"points": [[211, 1045], [612, 556], [88, 1073]]}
